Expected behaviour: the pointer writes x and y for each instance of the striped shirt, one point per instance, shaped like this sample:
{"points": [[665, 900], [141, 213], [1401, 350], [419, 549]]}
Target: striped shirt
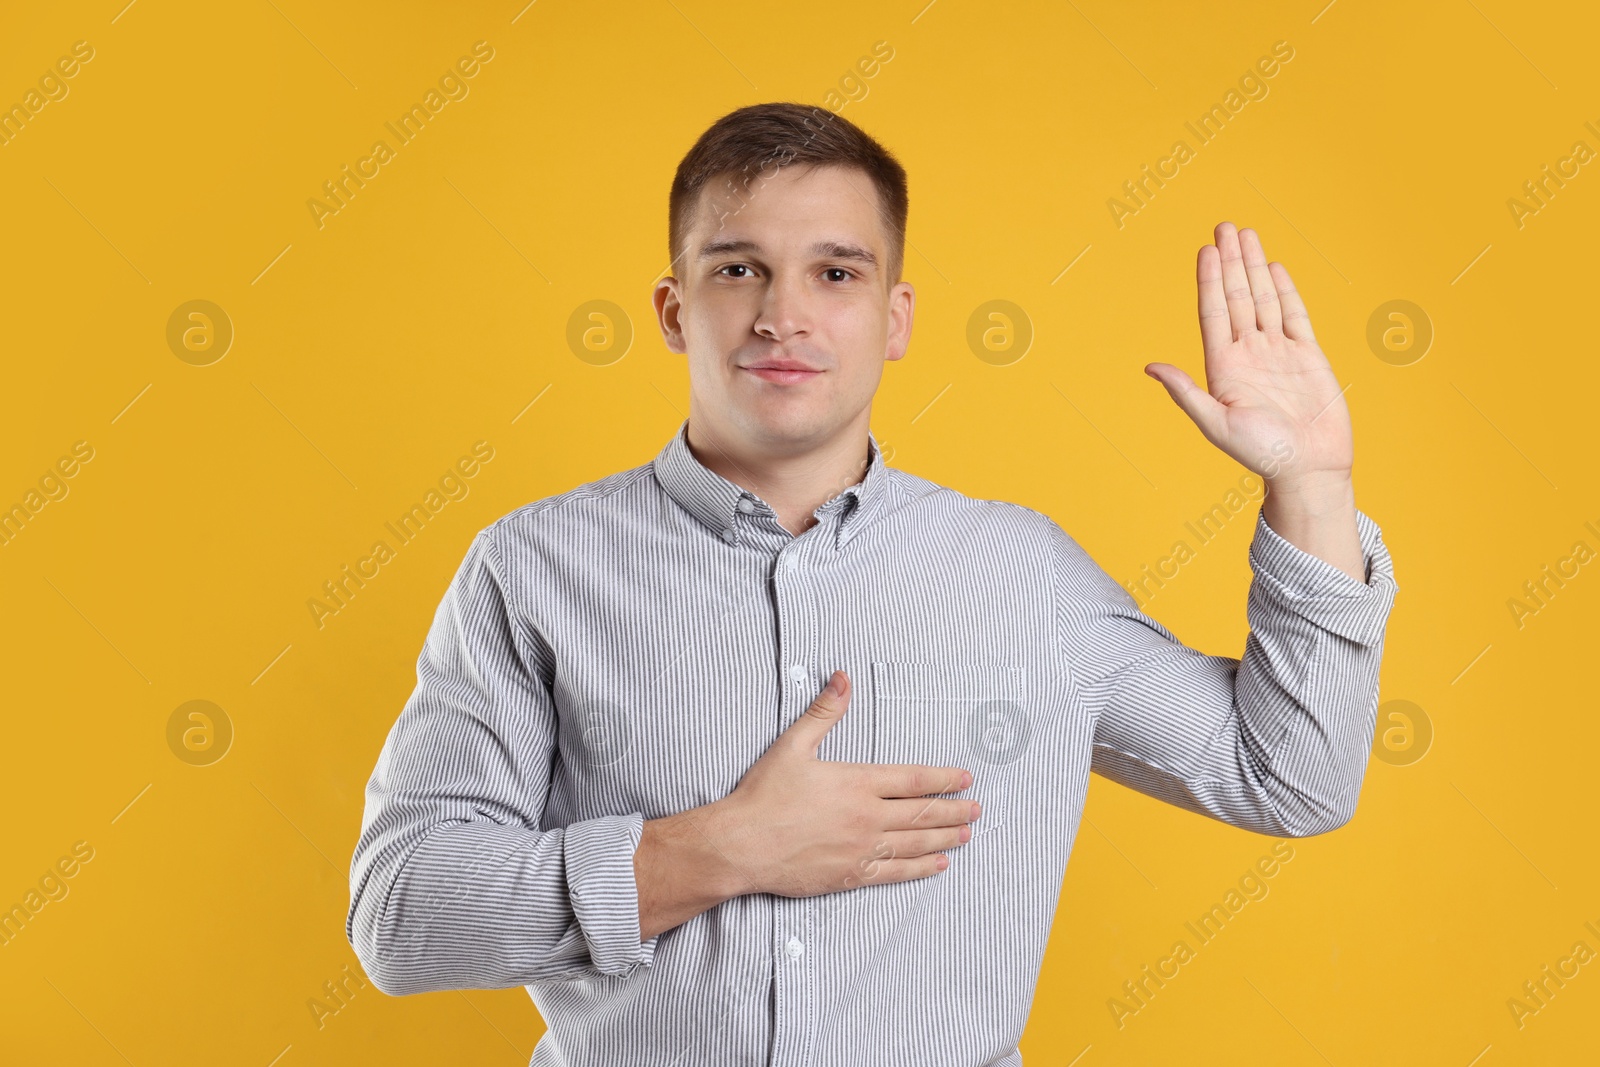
{"points": [[627, 649]]}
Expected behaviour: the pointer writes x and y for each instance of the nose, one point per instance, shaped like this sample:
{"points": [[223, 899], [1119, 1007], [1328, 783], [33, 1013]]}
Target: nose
{"points": [[784, 310]]}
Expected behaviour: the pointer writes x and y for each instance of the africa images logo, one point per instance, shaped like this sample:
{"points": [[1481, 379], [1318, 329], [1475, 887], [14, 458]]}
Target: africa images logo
{"points": [[452, 86]]}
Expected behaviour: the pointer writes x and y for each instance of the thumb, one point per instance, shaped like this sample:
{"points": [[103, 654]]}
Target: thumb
{"points": [[807, 731], [1207, 412]]}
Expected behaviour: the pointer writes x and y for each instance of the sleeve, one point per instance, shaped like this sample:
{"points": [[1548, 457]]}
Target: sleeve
{"points": [[453, 884], [1276, 742]]}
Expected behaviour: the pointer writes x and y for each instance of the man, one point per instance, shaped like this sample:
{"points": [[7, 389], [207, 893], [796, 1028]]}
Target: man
{"points": [[766, 752]]}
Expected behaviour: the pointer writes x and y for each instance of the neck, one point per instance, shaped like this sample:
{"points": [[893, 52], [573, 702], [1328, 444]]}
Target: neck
{"points": [[795, 480]]}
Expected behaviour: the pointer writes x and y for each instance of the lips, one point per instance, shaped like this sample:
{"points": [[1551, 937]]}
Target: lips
{"points": [[783, 371], [781, 364]]}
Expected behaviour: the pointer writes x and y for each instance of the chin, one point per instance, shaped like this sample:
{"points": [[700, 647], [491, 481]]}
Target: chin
{"points": [[784, 422]]}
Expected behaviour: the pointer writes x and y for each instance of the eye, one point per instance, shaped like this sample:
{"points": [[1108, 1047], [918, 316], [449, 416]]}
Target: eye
{"points": [[847, 274], [733, 266]]}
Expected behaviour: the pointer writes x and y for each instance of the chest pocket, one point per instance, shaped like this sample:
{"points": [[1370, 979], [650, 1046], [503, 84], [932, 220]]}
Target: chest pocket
{"points": [[954, 714]]}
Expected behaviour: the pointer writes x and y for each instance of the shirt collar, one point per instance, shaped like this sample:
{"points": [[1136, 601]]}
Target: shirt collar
{"points": [[714, 500]]}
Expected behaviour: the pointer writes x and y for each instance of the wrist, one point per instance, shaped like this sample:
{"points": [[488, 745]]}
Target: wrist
{"points": [[1318, 516], [1312, 495], [711, 843], [681, 870]]}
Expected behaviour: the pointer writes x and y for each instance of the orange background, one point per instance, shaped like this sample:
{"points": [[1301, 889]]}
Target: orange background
{"points": [[432, 312]]}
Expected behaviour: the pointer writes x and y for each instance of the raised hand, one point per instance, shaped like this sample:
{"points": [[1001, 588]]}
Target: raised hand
{"points": [[1271, 399]]}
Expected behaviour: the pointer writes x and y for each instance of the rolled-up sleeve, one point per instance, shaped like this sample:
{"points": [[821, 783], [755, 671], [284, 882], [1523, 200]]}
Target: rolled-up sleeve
{"points": [[454, 885], [1276, 741]]}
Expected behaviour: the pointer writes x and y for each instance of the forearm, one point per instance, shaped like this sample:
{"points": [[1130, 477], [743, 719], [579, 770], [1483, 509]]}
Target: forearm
{"points": [[1309, 731], [683, 868], [1308, 683], [481, 905]]}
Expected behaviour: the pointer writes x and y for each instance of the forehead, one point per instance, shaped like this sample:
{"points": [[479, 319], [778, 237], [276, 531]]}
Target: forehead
{"points": [[789, 205]]}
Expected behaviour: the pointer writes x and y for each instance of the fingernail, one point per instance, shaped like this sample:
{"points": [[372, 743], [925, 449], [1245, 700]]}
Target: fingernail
{"points": [[966, 779], [836, 684]]}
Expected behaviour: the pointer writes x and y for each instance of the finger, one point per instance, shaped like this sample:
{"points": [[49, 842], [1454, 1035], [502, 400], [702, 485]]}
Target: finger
{"points": [[813, 724], [916, 779], [886, 872], [908, 844], [919, 814], [1296, 323], [1235, 283], [1262, 291], [1208, 413], [1215, 332]]}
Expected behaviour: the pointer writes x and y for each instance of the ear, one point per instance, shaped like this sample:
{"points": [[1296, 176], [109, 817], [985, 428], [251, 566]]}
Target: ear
{"points": [[902, 311], [668, 306]]}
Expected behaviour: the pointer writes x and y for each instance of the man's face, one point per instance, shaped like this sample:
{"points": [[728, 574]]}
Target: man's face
{"points": [[793, 268]]}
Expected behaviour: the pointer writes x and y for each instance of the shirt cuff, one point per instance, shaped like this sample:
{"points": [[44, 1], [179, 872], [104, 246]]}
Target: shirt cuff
{"points": [[605, 891], [1321, 592]]}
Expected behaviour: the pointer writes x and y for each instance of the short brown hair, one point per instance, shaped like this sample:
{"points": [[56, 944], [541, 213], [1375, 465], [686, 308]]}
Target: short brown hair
{"points": [[742, 144]]}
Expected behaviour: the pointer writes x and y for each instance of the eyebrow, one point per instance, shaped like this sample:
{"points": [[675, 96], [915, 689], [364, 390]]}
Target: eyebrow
{"points": [[722, 246]]}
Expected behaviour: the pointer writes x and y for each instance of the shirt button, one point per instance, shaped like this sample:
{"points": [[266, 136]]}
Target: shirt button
{"points": [[795, 948], [798, 673], [745, 505], [729, 534]]}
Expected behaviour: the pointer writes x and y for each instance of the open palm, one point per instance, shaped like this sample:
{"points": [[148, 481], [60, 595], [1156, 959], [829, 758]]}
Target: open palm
{"points": [[1271, 400]]}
